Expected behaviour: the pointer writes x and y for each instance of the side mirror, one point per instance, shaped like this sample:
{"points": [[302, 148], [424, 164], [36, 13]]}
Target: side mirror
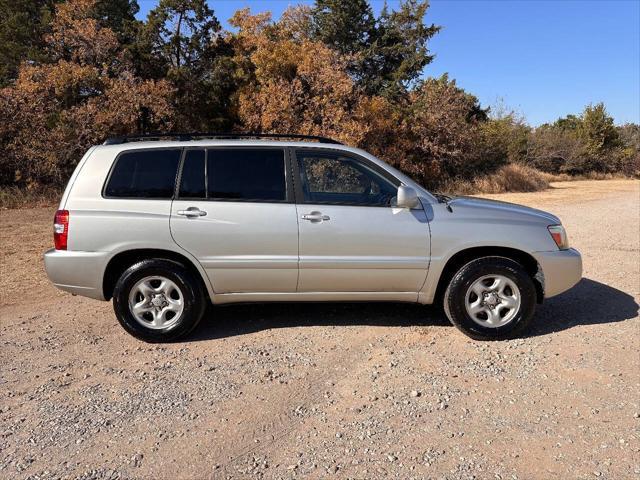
{"points": [[407, 197]]}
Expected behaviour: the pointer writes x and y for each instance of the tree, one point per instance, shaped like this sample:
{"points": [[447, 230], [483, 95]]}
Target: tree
{"points": [[182, 42], [386, 54], [580, 144], [399, 52], [182, 33], [629, 134], [597, 130], [630, 138], [570, 123], [289, 82], [553, 149], [504, 137], [119, 16], [347, 26], [443, 120], [433, 134], [23, 24], [60, 108]]}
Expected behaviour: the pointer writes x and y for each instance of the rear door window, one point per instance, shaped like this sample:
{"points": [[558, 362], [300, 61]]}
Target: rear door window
{"points": [[246, 174], [144, 174]]}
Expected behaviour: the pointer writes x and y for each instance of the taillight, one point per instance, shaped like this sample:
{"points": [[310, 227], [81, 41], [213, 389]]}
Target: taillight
{"points": [[61, 229]]}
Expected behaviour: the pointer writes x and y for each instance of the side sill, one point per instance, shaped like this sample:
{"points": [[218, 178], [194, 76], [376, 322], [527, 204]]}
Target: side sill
{"points": [[222, 298]]}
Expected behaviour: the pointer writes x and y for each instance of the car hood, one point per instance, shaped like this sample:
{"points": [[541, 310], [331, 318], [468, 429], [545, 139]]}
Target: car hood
{"points": [[496, 207]]}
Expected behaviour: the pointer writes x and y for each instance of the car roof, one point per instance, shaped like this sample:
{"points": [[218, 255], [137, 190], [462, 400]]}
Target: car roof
{"points": [[139, 145]]}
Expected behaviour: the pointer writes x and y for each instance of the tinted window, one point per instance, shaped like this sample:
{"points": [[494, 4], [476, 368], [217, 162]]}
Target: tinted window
{"points": [[246, 174], [329, 178], [144, 174], [192, 179]]}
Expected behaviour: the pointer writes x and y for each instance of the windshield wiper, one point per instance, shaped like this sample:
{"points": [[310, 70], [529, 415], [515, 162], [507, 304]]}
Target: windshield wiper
{"points": [[442, 198]]}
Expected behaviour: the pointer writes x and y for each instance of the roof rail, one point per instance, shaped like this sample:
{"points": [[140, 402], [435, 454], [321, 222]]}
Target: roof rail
{"points": [[191, 136]]}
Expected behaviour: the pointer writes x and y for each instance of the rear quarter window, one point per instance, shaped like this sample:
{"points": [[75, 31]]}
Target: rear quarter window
{"points": [[144, 174]]}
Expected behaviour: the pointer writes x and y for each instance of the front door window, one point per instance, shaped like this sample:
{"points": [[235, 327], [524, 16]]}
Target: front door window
{"points": [[340, 180]]}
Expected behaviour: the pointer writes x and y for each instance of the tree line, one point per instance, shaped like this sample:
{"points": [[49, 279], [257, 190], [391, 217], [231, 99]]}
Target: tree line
{"points": [[75, 72]]}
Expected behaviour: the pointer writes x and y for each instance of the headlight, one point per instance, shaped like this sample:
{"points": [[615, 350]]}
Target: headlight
{"points": [[559, 236]]}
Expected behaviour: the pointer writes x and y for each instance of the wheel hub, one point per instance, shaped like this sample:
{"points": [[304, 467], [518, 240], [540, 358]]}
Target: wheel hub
{"points": [[159, 301], [490, 299]]}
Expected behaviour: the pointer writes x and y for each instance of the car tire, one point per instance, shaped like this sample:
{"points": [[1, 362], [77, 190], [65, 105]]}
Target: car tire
{"points": [[158, 300], [490, 298]]}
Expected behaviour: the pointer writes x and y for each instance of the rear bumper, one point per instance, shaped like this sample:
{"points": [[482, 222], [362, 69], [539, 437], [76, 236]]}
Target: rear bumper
{"points": [[79, 273], [562, 269]]}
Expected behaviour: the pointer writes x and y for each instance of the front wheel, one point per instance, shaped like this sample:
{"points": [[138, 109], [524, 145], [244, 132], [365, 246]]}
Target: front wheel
{"points": [[158, 300], [491, 298]]}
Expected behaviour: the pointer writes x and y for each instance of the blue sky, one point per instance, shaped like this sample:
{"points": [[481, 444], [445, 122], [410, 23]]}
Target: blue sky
{"points": [[544, 58]]}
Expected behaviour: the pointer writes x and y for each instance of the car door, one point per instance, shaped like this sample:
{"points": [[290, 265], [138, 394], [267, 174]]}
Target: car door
{"points": [[351, 238], [234, 211]]}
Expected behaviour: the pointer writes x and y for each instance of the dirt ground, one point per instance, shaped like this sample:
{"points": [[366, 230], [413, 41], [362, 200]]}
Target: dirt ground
{"points": [[361, 391]]}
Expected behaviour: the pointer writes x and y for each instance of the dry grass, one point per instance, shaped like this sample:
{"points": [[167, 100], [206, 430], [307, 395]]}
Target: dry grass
{"points": [[565, 177], [14, 197], [510, 178], [519, 178]]}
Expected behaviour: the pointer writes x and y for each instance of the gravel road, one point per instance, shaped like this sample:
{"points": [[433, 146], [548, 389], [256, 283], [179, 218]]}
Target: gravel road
{"points": [[361, 391]]}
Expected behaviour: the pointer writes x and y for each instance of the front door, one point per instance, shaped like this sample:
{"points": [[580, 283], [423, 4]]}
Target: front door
{"points": [[351, 237], [234, 212]]}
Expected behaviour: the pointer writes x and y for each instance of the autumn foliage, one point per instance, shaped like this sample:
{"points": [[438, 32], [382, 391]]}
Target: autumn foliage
{"points": [[102, 73], [55, 111]]}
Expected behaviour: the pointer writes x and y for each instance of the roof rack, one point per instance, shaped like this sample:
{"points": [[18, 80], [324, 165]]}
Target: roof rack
{"points": [[183, 137]]}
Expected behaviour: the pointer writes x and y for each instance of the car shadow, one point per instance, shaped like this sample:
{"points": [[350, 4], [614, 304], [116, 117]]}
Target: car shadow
{"points": [[588, 303], [241, 319]]}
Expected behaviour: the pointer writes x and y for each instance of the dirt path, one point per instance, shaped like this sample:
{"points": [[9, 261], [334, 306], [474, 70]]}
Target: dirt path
{"points": [[349, 391]]}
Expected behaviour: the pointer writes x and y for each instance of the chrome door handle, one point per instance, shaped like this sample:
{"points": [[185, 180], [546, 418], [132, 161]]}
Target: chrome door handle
{"points": [[316, 217], [192, 212]]}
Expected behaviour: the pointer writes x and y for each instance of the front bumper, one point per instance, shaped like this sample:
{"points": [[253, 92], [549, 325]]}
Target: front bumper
{"points": [[562, 269], [80, 273]]}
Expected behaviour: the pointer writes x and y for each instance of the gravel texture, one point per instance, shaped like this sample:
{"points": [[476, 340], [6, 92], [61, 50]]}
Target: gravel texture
{"points": [[329, 390]]}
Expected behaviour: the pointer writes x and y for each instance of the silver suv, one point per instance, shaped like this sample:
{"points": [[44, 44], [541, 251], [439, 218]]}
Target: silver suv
{"points": [[165, 227]]}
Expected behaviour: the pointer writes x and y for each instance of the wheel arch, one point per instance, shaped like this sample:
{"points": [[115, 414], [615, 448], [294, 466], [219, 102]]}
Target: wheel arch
{"points": [[123, 260], [462, 257]]}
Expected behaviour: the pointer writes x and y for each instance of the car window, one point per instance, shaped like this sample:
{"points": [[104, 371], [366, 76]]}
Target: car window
{"points": [[192, 178], [339, 179], [144, 174], [246, 174]]}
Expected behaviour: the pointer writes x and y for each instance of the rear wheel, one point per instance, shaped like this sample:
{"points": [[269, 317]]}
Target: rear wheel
{"points": [[491, 298], [158, 300]]}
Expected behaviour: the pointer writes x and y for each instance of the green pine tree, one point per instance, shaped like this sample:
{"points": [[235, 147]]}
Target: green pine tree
{"points": [[597, 130], [23, 24], [345, 25], [181, 42], [389, 53]]}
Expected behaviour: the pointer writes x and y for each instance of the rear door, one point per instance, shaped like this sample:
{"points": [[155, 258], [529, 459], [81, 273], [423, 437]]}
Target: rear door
{"points": [[351, 238], [234, 211]]}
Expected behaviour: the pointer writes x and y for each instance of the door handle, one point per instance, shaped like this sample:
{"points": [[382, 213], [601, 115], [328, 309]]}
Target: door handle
{"points": [[316, 217], [192, 212]]}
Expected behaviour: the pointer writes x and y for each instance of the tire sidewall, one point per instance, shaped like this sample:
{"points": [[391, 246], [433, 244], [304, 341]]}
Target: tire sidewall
{"points": [[455, 297], [189, 287]]}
